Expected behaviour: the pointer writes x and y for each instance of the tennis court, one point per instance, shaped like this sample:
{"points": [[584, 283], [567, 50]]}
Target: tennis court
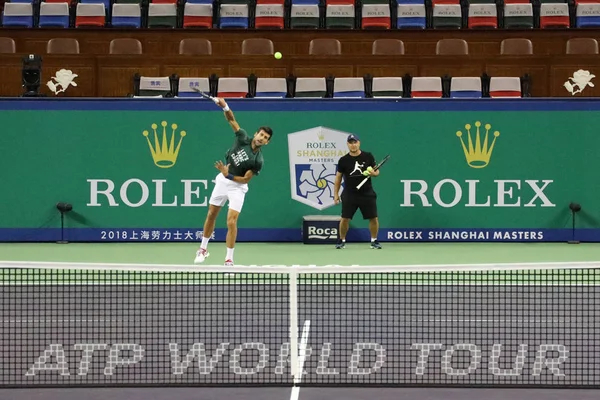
{"points": [[411, 317]]}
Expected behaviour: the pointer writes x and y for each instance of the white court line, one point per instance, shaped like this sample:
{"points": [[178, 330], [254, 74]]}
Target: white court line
{"points": [[301, 358]]}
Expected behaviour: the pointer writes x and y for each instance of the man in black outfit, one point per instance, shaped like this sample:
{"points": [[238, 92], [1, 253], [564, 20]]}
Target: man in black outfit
{"points": [[354, 167]]}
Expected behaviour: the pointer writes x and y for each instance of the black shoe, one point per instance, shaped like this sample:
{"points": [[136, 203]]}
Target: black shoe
{"points": [[375, 244], [340, 245]]}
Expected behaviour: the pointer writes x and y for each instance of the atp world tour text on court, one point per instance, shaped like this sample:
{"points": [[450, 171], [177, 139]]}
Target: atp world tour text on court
{"points": [[366, 358]]}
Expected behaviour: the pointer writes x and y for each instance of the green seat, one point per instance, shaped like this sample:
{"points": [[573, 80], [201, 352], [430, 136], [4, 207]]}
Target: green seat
{"points": [[518, 16], [447, 16], [340, 16], [162, 16], [304, 16]]}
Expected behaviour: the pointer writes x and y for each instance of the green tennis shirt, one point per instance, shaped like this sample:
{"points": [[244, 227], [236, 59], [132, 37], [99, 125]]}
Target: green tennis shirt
{"points": [[240, 156]]}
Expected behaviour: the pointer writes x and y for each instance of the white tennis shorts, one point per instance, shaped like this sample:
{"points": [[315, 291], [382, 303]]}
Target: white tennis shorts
{"points": [[226, 189]]}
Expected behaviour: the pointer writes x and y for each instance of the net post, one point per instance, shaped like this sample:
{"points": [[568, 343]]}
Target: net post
{"points": [[293, 282]]}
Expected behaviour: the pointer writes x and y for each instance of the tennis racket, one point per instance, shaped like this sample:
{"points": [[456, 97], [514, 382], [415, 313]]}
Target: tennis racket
{"points": [[374, 169], [206, 96]]}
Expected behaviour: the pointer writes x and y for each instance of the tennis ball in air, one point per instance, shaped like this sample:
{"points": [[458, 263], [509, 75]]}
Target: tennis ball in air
{"points": [[278, 55]]}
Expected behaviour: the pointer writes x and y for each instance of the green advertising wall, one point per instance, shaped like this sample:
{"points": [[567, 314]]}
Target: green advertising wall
{"points": [[527, 161]]}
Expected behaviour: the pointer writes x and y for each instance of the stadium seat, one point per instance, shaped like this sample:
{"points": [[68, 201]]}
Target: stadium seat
{"points": [[7, 45], [465, 87], [271, 87], [516, 46], [232, 87], [126, 15], [387, 47], [376, 16], [258, 46], [324, 47], [125, 46], [18, 15], [411, 16], [554, 15], [482, 16], [153, 86], [62, 46], [304, 16], [195, 46], [186, 85], [340, 16], [505, 87], [587, 15], [310, 87], [451, 47], [90, 15], [349, 87], [387, 87], [234, 16], [447, 16], [54, 15], [197, 15], [269, 14], [162, 15], [582, 46], [105, 2], [426, 87], [519, 16]]}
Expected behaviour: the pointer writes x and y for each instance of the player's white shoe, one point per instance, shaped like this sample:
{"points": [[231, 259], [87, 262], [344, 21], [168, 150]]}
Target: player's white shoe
{"points": [[229, 263], [201, 256]]}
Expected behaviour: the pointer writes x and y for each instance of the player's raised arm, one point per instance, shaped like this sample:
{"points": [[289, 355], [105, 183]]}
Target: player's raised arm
{"points": [[228, 114]]}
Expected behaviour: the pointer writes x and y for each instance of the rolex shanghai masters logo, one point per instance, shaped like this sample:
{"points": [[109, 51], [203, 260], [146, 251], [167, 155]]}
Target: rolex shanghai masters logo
{"points": [[164, 151], [314, 154]]}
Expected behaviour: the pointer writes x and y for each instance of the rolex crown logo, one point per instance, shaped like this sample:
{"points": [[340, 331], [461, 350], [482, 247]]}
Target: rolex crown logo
{"points": [[478, 155], [164, 152], [321, 135]]}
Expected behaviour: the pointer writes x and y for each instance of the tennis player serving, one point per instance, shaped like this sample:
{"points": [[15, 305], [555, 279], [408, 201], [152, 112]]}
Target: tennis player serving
{"points": [[242, 161], [353, 167]]}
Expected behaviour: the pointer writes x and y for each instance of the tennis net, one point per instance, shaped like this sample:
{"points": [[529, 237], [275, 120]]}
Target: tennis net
{"points": [[529, 325]]}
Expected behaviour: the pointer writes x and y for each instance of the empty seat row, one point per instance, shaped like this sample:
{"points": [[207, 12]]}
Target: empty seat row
{"points": [[332, 87], [275, 14]]}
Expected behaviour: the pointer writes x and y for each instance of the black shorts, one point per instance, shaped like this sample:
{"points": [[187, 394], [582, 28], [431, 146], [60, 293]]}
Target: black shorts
{"points": [[366, 203]]}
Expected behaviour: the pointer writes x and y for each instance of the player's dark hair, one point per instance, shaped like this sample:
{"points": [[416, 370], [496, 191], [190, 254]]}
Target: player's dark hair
{"points": [[267, 130]]}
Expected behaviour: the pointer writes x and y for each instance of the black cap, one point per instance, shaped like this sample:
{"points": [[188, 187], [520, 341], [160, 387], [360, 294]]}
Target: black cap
{"points": [[353, 137]]}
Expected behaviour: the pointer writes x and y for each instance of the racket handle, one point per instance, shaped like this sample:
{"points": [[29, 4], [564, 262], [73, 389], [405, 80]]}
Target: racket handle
{"points": [[362, 183]]}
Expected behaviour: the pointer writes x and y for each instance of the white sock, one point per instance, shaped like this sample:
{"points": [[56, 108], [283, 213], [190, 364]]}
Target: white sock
{"points": [[373, 239], [343, 240], [204, 244], [229, 254]]}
